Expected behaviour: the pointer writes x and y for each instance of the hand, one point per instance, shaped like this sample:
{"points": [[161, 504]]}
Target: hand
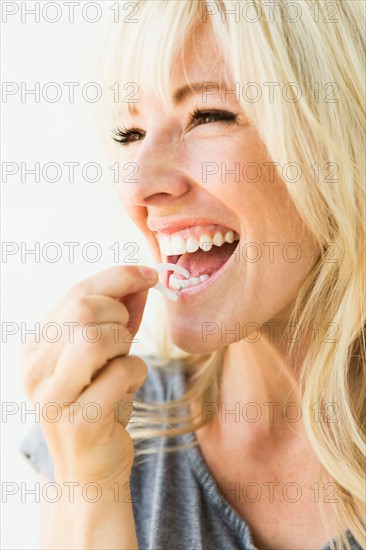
{"points": [[87, 375]]}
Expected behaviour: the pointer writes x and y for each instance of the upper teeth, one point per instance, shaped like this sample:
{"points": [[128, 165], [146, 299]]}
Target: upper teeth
{"points": [[176, 244]]}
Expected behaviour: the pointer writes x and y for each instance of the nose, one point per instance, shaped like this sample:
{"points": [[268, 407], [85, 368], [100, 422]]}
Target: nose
{"points": [[159, 178]]}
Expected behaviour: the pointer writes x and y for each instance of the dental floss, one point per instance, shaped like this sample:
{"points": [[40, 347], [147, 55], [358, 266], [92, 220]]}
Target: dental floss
{"points": [[170, 267]]}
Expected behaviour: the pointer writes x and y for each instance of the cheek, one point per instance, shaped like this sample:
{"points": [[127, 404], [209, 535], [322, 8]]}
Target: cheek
{"points": [[275, 253], [138, 215], [238, 174], [250, 301], [235, 170]]}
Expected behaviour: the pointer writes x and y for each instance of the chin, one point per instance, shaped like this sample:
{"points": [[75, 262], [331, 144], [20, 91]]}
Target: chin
{"points": [[193, 340], [195, 346]]}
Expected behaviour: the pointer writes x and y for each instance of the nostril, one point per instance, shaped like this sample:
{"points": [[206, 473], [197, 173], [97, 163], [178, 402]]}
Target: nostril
{"points": [[158, 198]]}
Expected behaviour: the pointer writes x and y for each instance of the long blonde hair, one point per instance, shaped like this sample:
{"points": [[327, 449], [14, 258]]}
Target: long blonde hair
{"points": [[319, 48]]}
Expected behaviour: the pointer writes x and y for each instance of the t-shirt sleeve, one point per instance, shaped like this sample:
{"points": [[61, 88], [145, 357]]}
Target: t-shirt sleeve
{"points": [[34, 449]]}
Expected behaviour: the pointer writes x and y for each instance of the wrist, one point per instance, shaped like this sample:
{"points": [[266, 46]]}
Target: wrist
{"points": [[97, 515], [117, 490]]}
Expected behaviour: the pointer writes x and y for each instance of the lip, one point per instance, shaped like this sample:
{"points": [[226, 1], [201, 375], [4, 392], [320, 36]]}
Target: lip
{"points": [[168, 226], [171, 225], [204, 284]]}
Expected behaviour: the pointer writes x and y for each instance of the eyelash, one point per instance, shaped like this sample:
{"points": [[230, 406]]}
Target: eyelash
{"points": [[123, 134]]}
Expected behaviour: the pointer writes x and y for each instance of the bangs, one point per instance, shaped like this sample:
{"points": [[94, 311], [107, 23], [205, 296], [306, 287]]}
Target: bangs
{"points": [[145, 53]]}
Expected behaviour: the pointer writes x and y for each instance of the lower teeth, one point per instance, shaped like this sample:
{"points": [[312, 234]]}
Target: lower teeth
{"points": [[177, 284]]}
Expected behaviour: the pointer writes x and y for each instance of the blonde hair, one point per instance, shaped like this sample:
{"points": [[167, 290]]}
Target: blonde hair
{"points": [[321, 56]]}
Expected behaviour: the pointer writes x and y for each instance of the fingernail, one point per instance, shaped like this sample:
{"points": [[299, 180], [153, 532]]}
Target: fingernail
{"points": [[148, 273]]}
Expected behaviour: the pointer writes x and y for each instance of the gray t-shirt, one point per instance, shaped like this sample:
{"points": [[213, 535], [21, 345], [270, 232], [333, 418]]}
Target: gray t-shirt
{"points": [[177, 503]]}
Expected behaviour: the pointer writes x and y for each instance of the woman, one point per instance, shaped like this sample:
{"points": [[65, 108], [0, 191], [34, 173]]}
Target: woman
{"points": [[244, 123]]}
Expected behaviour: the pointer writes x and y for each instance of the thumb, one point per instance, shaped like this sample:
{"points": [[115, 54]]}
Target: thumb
{"points": [[135, 301]]}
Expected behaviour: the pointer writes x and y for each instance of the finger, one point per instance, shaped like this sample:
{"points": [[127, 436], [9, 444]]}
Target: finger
{"points": [[96, 308], [117, 282], [81, 360], [114, 283], [113, 387], [40, 362], [135, 305]]}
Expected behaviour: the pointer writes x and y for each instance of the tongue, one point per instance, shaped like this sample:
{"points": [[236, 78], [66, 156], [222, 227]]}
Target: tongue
{"points": [[201, 263]]}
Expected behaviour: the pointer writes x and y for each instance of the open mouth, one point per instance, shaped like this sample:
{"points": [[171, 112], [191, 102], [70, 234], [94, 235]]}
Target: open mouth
{"points": [[202, 251]]}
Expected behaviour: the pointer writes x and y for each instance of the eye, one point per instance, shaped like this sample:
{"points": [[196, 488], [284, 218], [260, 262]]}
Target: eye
{"points": [[205, 117], [125, 136]]}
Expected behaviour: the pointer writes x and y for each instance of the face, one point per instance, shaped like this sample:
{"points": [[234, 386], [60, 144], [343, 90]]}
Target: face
{"points": [[206, 192]]}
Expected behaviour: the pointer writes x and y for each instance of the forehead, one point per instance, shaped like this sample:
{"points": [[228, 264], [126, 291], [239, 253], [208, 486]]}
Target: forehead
{"points": [[169, 77], [200, 54], [192, 79]]}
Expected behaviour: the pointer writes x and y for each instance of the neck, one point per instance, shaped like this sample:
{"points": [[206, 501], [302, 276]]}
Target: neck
{"points": [[260, 401]]}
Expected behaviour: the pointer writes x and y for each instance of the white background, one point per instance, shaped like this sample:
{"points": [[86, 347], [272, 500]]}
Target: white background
{"points": [[48, 212]]}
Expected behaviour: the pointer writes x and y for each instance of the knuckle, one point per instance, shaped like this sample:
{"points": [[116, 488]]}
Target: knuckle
{"points": [[125, 314], [130, 370], [94, 355], [28, 381], [85, 380], [87, 349], [84, 311], [116, 365], [142, 363], [89, 334], [46, 395], [117, 375], [141, 368], [30, 376], [80, 289], [123, 270], [127, 272]]}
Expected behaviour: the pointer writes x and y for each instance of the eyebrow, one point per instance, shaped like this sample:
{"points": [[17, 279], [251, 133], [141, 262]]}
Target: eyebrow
{"points": [[179, 96], [182, 93]]}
